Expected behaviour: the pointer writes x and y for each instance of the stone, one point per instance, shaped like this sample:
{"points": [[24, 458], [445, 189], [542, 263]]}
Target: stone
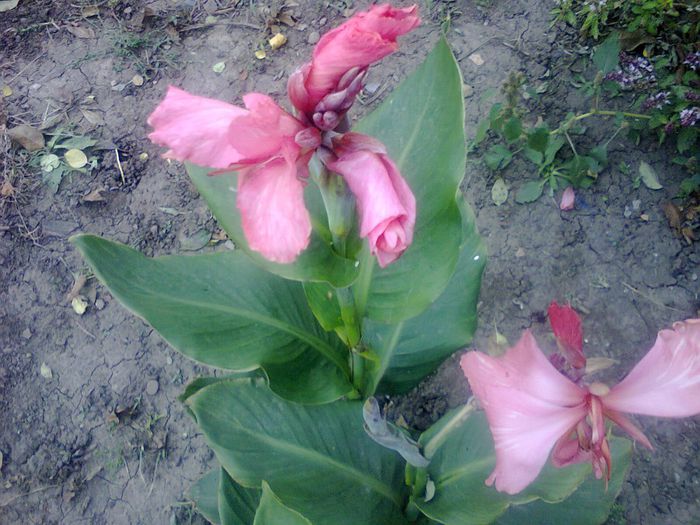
{"points": [[152, 387]]}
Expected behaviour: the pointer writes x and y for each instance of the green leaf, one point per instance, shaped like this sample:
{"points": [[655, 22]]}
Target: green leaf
{"points": [[272, 511], [533, 155], [323, 303], [552, 149], [589, 505], [205, 496], [222, 310], [411, 349], [649, 176], [606, 56], [481, 131], [422, 126], [317, 263], [498, 157], [538, 139], [462, 464], [686, 139], [529, 192], [317, 459], [512, 129], [236, 504]]}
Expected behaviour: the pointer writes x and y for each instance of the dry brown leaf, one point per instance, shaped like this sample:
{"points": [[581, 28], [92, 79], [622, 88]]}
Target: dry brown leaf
{"points": [[90, 10], [95, 195], [286, 19], [172, 33], [673, 214], [92, 117], [81, 31], [689, 235], [28, 137], [7, 190], [80, 281]]}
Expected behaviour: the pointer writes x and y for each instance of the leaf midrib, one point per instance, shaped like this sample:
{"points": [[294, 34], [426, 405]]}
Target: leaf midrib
{"points": [[315, 457]]}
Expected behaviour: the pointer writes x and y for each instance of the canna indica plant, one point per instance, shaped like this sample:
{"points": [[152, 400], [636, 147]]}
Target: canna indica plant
{"points": [[356, 272]]}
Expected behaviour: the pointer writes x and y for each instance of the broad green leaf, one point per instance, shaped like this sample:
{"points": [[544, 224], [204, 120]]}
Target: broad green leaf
{"points": [[205, 496], [236, 504], [317, 459], [481, 131], [323, 303], [686, 139], [538, 139], [589, 505], [222, 310], [272, 511], [462, 464], [606, 56], [528, 192], [422, 126], [411, 349], [317, 263]]}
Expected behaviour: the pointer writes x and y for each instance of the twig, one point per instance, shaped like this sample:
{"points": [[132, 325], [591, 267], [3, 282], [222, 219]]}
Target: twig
{"points": [[84, 330], [16, 497], [119, 165], [650, 299]]}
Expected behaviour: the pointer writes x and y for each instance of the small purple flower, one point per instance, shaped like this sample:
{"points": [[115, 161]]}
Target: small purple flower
{"points": [[690, 116], [668, 128], [692, 96], [633, 72], [693, 60], [657, 101]]}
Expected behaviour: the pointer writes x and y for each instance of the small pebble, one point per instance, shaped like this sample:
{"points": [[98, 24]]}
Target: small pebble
{"points": [[169, 360], [152, 387], [694, 277], [99, 304], [628, 212], [26, 333], [323, 21], [313, 37], [636, 204]]}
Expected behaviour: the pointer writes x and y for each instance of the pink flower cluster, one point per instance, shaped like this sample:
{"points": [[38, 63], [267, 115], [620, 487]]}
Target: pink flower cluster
{"points": [[270, 148], [535, 405]]}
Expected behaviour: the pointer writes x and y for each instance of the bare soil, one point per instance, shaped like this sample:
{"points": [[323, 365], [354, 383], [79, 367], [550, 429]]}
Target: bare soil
{"points": [[104, 439]]}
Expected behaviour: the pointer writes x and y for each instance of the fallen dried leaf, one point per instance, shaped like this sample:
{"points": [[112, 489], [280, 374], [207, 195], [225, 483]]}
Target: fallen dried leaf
{"points": [[75, 158], [286, 19], [7, 189], [6, 91], [476, 58], [277, 41], [6, 5], [137, 80], [260, 54], [79, 305], [78, 284], [45, 371], [28, 137], [143, 157], [688, 234], [673, 214], [95, 195], [91, 10], [92, 117], [218, 67], [81, 31], [172, 33]]}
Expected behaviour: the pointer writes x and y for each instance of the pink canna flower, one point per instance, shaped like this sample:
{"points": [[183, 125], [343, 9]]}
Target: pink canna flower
{"points": [[269, 148], [325, 88], [532, 408], [386, 204]]}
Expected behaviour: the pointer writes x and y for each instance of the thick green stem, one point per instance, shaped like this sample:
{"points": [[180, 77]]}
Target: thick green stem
{"points": [[437, 440], [348, 314]]}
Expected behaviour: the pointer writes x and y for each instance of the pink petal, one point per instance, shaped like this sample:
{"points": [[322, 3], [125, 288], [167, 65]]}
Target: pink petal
{"points": [[364, 39], [274, 217], [625, 424], [529, 407], [566, 325], [568, 199], [666, 382], [296, 89], [195, 129], [385, 202], [263, 131]]}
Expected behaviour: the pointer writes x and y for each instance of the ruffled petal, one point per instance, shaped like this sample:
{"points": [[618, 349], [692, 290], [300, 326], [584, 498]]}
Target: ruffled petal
{"points": [[529, 407], [195, 129], [566, 325], [274, 217], [666, 382]]}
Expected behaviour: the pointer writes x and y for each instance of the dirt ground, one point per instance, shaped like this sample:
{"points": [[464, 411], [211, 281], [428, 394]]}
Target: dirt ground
{"points": [[96, 435]]}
